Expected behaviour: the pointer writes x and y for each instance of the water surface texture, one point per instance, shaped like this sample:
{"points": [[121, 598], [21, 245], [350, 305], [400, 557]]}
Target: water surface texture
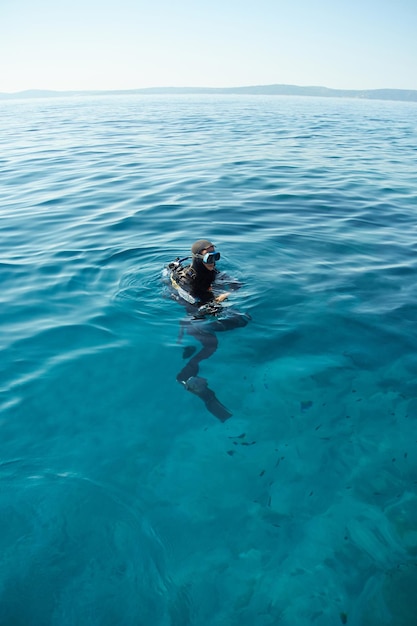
{"points": [[124, 501]]}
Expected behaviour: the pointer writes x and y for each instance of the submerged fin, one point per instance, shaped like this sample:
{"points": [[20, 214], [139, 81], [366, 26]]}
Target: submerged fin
{"points": [[215, 406], [199, 386], [196, 384]]}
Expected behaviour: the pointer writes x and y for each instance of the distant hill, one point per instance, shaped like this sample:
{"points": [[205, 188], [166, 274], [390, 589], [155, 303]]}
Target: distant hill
{"points": [[404, 95]]}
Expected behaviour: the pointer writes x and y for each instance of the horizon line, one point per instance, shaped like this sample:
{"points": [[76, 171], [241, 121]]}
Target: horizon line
{"points": [[265, 89]]}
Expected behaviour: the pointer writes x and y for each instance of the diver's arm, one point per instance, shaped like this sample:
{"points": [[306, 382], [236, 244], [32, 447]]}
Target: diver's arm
{"points": [[220, 298]]}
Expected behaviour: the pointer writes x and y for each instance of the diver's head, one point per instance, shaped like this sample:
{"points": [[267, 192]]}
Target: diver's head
{"points": [[203, 252]]}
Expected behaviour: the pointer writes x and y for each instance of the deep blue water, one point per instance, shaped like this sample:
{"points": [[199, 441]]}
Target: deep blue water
{"points": [[124, 501]]}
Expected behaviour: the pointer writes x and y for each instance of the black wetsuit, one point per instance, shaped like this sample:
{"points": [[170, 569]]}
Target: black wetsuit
{"points": [[196, 280]]}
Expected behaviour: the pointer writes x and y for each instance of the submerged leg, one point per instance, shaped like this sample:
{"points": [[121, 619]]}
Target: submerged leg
{"points": [[188, 376], [209, 342]]}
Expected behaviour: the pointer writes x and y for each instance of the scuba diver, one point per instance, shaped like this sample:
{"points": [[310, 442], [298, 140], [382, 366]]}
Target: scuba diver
{"points": [[195, 286]]}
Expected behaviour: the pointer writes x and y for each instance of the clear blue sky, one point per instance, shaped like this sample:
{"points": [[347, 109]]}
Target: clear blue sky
{"points": [[128, 44]]}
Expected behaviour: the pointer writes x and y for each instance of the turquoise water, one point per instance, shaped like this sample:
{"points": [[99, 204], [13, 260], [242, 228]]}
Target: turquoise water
{"points": [[125, 502]]}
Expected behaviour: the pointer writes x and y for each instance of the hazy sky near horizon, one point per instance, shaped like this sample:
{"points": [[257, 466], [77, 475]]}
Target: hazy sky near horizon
{"points": [[128, 44]]}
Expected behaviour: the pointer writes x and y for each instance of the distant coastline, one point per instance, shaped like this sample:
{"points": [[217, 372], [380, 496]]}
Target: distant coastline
{"points": [[403, 95]]}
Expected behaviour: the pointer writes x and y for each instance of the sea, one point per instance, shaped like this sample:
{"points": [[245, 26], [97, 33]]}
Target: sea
{"points": [[124, 501]]}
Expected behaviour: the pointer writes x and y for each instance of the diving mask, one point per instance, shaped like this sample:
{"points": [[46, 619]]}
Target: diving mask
{"points": [[210, 257]]}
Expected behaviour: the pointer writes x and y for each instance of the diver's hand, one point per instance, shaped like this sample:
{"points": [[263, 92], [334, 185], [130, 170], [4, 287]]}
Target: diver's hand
{"points": [[222, 297]]}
